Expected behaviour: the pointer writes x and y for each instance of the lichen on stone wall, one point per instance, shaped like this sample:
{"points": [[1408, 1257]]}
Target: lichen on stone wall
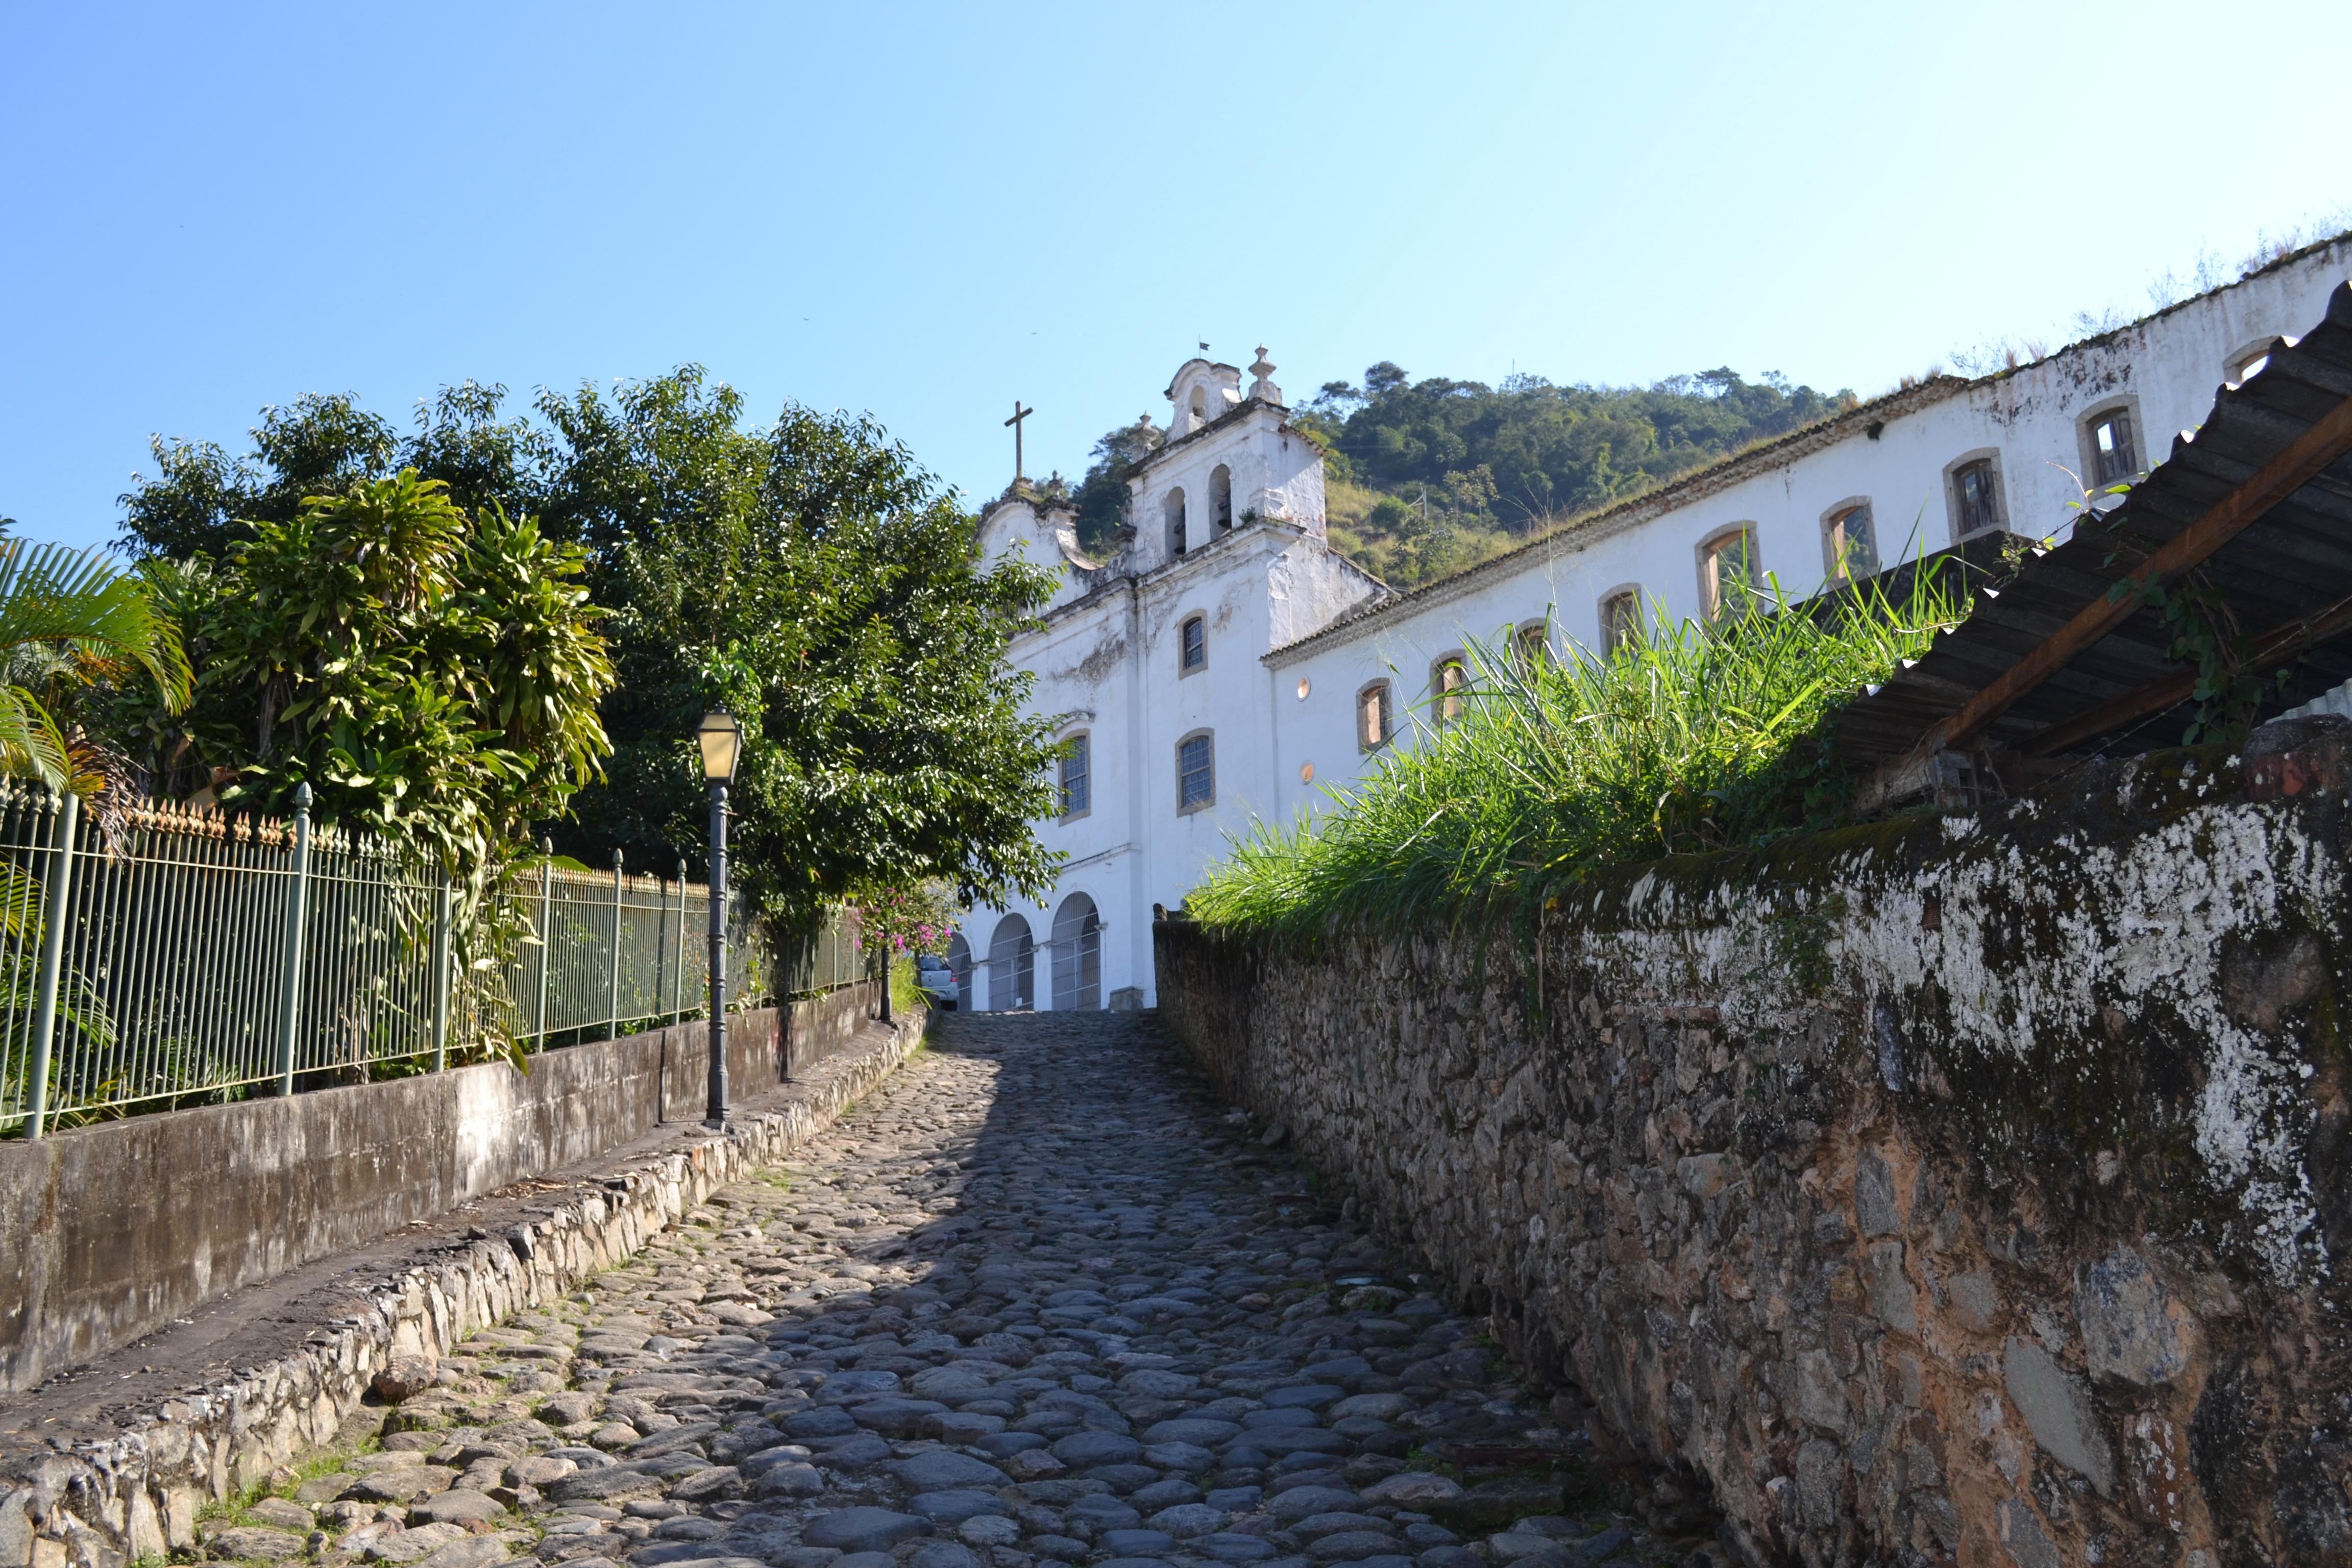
{"points": [[1949, 1188]]}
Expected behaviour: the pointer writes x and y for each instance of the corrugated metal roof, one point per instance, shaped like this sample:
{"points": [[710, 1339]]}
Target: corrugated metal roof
{"points": [[2286, 579]]}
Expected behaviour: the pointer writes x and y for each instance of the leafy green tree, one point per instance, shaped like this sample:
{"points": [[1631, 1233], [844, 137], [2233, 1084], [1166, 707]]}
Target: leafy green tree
{"points": [[426, 673], [817, 582], [71, 621], [809, 576], [201, 501]]}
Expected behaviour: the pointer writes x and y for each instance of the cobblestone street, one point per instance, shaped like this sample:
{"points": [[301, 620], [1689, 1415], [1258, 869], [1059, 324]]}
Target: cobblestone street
{"points": [[1037, 1299]]}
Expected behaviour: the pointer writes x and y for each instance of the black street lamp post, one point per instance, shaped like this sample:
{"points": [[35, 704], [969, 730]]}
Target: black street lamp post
{"points": [[721, 741]]}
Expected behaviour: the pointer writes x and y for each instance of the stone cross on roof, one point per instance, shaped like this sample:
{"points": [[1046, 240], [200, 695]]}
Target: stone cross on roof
{"points": [[1019, 414]]}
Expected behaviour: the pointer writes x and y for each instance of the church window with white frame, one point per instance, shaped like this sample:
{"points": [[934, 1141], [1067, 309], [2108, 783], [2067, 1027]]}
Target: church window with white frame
{"points": [[1375, 716], [1078, 776], [1196, 772], [1192, 644]]}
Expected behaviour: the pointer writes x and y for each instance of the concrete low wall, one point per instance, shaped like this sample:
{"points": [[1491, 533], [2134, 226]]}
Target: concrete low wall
{"points": [[107, 1233], [133, 1495], [1954, 1189]]}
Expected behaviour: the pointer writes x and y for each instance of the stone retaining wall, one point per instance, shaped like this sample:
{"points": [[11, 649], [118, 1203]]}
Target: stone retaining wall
{"points": [[1957, 1189], [109, 1232], [102, 1504]]}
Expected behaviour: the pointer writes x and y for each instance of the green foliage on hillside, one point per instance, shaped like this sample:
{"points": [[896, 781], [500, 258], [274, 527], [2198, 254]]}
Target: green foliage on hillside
{"points": [[1427, 478], [1102, 494]]}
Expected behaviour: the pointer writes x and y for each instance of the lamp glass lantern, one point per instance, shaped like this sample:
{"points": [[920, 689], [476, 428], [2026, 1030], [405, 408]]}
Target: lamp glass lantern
{"points": [[721, 739]]}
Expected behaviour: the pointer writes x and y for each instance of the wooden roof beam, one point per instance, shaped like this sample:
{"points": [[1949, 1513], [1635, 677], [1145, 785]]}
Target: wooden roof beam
{"points": [[2271, 649], [2328, 439]]}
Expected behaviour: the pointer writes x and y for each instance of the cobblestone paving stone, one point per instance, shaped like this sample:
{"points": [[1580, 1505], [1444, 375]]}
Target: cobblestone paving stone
{"points": [[1037, 1301]]}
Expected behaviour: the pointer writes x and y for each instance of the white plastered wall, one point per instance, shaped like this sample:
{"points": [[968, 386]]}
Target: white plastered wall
{"points": [[1110, 648]]}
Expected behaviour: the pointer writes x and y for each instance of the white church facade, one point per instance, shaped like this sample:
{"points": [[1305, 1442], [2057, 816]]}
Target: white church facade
{"points": [[1227, 665]]}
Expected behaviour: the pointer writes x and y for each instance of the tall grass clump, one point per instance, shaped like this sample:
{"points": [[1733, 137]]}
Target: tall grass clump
{"points": [[1693, 737]]}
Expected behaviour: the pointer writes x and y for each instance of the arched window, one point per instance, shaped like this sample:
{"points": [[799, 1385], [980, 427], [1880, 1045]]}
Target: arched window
{"points": [[1531, 646], [1727, 568], [1173, 508], [1192, 646], [1973, 482], [1449, 679], [2111, 444], [1196, 772], [1849, 543], [1221, 501], [2250, 362], [1199, 406], [1621, 618], [1012, 966], [1077, 955], [959, 968], [1077, 775], [1375, 716]]}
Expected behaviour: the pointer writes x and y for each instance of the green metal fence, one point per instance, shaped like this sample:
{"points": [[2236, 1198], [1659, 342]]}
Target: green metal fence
{"points": [[196, 958]]}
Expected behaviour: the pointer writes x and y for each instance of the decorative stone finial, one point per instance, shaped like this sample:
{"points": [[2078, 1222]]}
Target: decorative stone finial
{"points": [[1263, 388]]}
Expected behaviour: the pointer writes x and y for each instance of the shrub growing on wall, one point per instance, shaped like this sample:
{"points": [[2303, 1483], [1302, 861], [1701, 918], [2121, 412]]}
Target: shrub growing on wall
{"points": [[1691, 737]]}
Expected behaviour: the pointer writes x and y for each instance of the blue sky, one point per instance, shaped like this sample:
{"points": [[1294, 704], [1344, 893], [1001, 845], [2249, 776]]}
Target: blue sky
{"points": [[927, 211]]}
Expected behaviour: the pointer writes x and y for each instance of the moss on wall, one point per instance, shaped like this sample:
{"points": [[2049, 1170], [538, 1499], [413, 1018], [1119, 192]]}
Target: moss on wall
{"points": [[1945, 1187]]}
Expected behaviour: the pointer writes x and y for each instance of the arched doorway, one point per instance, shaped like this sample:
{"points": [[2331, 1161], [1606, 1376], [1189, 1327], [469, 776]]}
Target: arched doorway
{"points": [[1077, 955], [1012, 965], [960, 965]]}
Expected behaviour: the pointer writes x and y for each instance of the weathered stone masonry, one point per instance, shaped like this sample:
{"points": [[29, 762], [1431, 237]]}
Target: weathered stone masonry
{"points": [[1954, 1189]]}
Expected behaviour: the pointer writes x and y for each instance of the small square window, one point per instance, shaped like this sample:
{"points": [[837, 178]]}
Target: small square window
{"points": [[1077, 797], [1196, 774], [1192, 643], [1375, 717], [2114, 457], [1977, 491]]}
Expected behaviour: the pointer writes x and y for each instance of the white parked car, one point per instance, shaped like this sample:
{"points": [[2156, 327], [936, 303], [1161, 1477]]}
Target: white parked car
{"points": [[937, 981]]}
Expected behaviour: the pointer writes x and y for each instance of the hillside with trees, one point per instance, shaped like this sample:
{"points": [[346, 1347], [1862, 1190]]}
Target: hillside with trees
{"points": [[1429, 476]]}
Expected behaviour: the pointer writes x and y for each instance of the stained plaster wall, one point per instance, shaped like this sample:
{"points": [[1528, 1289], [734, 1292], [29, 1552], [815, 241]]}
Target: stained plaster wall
{"points": [[1104, 659], [1107, 649], [2030, 419], [109, 1232], [133, 1495], [1965, 1189]]}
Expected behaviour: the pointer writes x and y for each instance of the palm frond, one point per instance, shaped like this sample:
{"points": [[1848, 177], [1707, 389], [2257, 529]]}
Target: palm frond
{"points": [[51, 594]]}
